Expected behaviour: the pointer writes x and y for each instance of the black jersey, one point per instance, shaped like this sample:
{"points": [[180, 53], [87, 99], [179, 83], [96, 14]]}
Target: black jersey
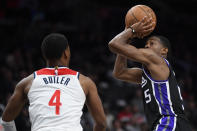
{"points": [[161, 98]]}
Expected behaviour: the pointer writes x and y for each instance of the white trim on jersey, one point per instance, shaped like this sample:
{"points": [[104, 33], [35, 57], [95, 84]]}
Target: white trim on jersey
{"points": [[180, 96], [162, 81], [54, 67], [137, 68], [167, 62], [153, 89], [169, 98], [159, 123], [175, 120]]}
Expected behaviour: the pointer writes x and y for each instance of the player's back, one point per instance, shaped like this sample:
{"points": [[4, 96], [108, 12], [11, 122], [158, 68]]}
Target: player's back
{"points": [[56, 100]]}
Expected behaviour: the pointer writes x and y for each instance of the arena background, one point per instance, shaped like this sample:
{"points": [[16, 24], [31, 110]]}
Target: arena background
{"points": [[89, 25]]}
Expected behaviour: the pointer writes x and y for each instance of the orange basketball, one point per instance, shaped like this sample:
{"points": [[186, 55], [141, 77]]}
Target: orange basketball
{"points": [[137, 13]]}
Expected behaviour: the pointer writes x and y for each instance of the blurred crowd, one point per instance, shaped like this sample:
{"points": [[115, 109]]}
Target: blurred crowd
{"points": [[89, 26]]}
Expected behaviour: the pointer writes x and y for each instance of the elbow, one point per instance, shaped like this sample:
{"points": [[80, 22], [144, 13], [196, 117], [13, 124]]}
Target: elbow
{"points": [[112, 46], [116, 75]]}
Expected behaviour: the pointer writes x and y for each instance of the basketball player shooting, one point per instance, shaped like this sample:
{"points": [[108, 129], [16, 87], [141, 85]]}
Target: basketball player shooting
{"points": [[56, 94], [163, 104]]}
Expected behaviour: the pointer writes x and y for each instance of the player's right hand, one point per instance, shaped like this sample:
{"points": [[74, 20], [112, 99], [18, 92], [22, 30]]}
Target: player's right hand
{"points": [[143, 27]]}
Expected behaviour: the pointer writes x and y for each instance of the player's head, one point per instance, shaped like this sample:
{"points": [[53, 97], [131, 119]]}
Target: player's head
{"points": [[55, 48], [160, 44]]}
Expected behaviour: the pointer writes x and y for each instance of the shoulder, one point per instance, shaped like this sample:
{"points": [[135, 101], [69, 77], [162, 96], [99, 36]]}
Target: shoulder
{"points": [[26, 80], [151, 56], [87, 83], [25, 83], [147, 52], [85, 80]]}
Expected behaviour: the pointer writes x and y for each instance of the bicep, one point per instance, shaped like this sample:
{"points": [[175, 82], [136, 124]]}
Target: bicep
{"points": [[133, 75], [94, 103]]}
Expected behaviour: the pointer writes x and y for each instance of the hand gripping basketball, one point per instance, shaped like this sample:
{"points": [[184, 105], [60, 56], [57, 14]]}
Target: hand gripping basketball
{"points": [[141, 13], [143, 27]]}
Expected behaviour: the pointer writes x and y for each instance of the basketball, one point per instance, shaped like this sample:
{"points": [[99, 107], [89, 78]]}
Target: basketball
{"points": [[137, 13]]}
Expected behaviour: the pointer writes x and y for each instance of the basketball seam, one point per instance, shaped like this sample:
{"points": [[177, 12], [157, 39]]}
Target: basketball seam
{"points": [[144, 11], [134, 16]]}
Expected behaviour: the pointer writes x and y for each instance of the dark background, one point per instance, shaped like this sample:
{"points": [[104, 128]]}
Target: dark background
{"points": [[89, 25]]}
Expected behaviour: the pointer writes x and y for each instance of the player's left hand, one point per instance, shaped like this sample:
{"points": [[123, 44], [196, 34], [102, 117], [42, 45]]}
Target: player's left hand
{"points": [[143, 27]]}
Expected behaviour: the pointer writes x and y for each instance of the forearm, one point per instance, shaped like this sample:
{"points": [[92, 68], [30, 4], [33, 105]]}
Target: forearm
{"points": [[12, 109], [121, 39], [124, 36], [120, 45], [120, 65]]}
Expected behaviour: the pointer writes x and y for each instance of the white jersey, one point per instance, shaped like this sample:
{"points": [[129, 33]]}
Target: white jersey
{"points": [[56, 100]]}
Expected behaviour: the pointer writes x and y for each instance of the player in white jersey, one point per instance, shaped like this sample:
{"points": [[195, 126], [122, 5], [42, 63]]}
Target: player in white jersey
{"points": [[56, 94]]}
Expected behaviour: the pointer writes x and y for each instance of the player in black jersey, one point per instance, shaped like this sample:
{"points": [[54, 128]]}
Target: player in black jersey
{"points": [[163, 104]]}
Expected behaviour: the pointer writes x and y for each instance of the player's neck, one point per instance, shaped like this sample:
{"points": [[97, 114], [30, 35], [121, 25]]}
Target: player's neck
{"points": [[54, 63]]}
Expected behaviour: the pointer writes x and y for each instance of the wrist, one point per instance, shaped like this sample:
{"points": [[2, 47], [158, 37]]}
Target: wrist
{"points": [[6, 123], [132, 30], [8, 126]]}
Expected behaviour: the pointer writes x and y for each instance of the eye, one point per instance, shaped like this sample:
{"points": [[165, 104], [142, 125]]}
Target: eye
{"points": [[151, 43]]}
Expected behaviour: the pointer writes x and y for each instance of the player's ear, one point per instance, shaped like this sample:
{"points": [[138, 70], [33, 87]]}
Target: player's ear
{"points": [[67, 52], [164, 51]]}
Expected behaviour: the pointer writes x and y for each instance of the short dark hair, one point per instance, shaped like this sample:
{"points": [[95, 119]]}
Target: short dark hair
{"points": [[54, 45]]}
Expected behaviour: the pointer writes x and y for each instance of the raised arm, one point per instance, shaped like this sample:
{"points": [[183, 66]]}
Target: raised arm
{"points": [[126, 74], [119, 45], [93, 103]]}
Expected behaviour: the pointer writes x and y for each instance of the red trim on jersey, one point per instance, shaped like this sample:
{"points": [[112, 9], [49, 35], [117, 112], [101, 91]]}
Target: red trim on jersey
{"points": [[62, 71]]}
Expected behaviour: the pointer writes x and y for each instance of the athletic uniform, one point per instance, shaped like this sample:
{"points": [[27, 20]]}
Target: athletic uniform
{"points": [[56, 100], [163, 103]]}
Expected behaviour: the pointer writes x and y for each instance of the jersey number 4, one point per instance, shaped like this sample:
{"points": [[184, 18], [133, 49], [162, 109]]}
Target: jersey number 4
{"points": [[57, 103]]}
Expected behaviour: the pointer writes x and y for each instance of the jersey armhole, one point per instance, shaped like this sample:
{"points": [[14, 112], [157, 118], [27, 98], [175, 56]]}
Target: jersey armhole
{"points": [[150, 78], [34, 74], [78, 75], [139, 68]]}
